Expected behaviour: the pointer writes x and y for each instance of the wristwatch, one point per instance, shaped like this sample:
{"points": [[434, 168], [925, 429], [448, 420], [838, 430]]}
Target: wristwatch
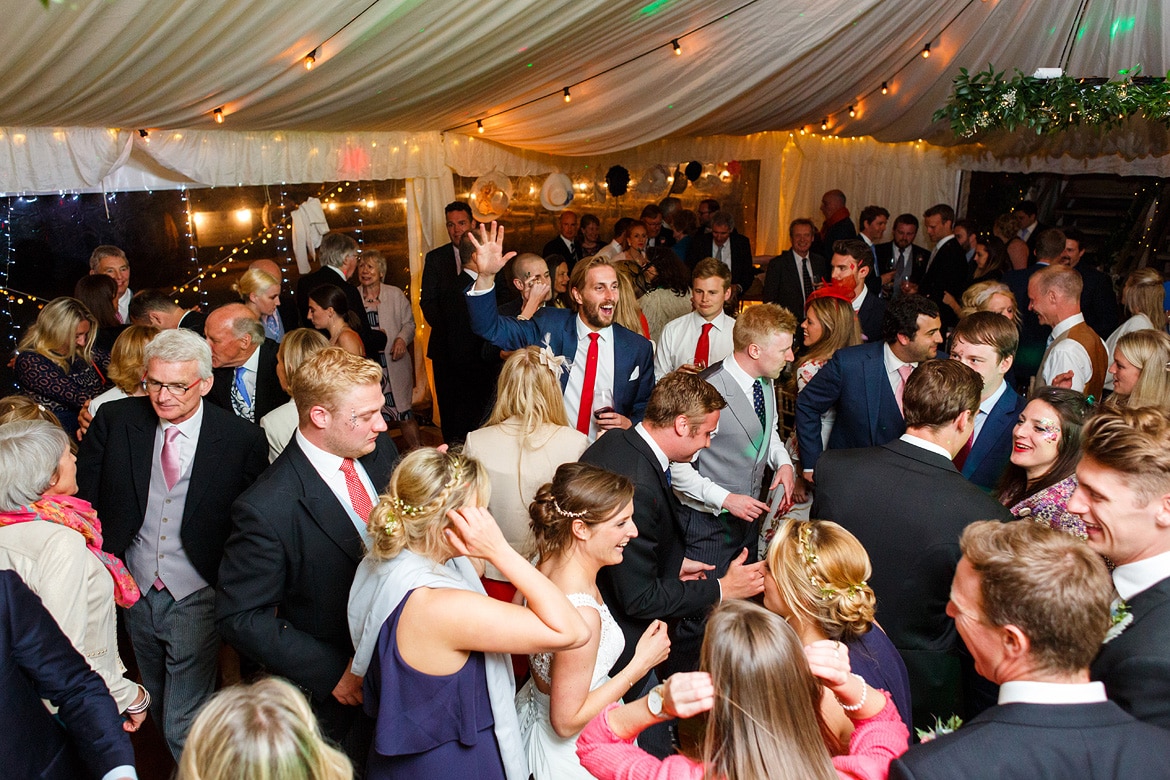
{"points": [[655, 702]]}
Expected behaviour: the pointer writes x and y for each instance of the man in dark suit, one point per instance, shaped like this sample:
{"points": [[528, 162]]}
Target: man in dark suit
{"points": [[793, 275], [245, 363], [862, 383], [155, 308], [38, 662], [1050, 246], [654, 581], [986, 343], [658, 234], [720, 488], [1051, 721], [1123, 496], [1098, 298], [162, 472], [724, 243], [565, 244], [1030, 226], [945, 275], [851, 265], [622, 361], [338, 254], [464, 378], [872, 223], [298, 536], [907, 505], [900, 260], [837, 226]]}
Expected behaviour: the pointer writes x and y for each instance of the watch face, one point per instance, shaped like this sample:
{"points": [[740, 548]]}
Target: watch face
{"points": [[654, 701]]}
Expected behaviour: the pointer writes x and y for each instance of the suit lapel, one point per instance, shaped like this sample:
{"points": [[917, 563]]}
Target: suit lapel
{"points": [[204, 467], [568, 346], [1002, 416], [323, 507], [140, 436], [744, 412], [875, 379], [643, 449]]}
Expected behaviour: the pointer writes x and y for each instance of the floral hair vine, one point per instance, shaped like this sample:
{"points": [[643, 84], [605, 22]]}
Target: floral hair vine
{"points": [[457, 472], [566, 513], [804, 548]]}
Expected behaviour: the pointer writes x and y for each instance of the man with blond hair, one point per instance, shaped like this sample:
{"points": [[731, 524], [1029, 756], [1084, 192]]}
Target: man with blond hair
{"points": [[298, 536], [1054, 294], [1032, 606], [1123, 496]]}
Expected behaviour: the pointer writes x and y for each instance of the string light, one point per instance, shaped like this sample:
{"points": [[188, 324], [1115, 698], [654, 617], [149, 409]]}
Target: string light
{"points": [[479, 126], [825, 123], [852, 112], [143, 134], [218, 114], [568, 97], [926, 52], [677, 48], [885, 88], [310, 59]]}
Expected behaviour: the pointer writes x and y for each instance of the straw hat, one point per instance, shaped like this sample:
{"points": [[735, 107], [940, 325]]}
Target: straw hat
{"points": [[557, 192], [490, 196]]}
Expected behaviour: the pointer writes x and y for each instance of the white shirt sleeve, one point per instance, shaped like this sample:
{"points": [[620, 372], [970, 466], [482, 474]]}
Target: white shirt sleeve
{"points": [[1069, 355], [687, 480]]}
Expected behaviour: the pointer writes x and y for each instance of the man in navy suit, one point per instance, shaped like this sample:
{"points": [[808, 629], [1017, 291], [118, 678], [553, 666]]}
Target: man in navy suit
{"points": [[1051, 721], [945, 273], [616, 361], [37, 661], [852, 265], [1049, 246], [862, 383], [1123, 496], [986, 342]]}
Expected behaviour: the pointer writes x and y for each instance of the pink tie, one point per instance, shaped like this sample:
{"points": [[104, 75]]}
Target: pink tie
{"points": [[358, 497], [170, 456], [904, 372]]}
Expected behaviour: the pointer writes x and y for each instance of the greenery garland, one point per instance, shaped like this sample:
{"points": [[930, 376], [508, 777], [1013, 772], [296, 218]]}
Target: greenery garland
{"points": [[990, 101]]}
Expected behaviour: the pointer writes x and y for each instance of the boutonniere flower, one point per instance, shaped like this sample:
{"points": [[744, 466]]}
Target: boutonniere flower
{"points": [[949, 726], [1121, 617]]}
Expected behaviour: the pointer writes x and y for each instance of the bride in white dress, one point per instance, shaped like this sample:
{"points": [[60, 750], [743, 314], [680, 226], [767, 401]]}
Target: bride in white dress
{"points": [[581, 521]]}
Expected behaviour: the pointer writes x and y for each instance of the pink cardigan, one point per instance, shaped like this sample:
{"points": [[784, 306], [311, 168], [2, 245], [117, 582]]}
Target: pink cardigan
{"points": [[875, 743]]}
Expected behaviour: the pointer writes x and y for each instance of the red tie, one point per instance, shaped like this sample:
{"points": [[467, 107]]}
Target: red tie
{"points": [[703, 347], [961, 459], [359, 499], [586, 409]]}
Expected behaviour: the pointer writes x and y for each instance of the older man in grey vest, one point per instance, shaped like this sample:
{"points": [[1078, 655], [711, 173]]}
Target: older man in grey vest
{"points": [[720, 489], [162, 472]]}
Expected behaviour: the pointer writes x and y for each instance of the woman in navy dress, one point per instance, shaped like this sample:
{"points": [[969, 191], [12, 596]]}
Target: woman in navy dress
{"points": [[432, 645], [817, 582]]}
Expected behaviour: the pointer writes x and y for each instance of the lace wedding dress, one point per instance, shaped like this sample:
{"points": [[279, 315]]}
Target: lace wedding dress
{"points": [[551, 757]]}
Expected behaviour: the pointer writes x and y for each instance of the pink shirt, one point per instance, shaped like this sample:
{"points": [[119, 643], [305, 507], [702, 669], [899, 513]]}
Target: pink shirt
{"points": [[875, 743]]}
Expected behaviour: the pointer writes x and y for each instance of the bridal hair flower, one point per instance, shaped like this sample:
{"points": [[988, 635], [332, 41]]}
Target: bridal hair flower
{"points": [[804, 548]]}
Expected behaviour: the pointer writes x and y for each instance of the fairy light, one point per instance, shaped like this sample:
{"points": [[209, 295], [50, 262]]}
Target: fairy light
{"points": [[218, 114], [885, 88], [677, 48], [479, 126], [310, 59], [568, 97], [926, 52]]}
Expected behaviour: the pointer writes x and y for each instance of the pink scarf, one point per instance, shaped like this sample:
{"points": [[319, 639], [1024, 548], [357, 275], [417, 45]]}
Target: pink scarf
{"points": [[79, 515]]}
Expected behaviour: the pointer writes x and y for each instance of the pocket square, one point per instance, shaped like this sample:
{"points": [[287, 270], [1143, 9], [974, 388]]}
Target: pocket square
{"points": [[634, 376]]}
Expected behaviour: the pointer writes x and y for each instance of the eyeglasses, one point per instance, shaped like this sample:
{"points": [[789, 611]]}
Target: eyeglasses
{"points": [[156, 388]]}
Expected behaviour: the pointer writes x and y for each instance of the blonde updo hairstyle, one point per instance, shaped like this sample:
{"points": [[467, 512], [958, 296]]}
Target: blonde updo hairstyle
{"points": [[262, 731], [578, 491], [254, 282], [425, 486], [821, 571]]}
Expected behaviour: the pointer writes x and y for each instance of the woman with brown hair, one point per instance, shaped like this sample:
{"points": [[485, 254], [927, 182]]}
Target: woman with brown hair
{"points": [[329, 312], [752, 731], [431, 644], [589, 236], [99, 293], [57, 364], [127, 366], [582, 521], [817, 581]]}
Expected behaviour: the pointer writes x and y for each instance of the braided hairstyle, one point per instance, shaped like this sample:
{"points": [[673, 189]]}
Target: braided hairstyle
{"points": [[578, 491]]}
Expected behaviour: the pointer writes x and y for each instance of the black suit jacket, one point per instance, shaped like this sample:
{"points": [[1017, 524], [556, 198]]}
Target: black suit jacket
{"points": [[37, 661], [194, 321], [557, 247], [742, 270], [284, 582], [947, 273], [839, 231], [870, 316], [885, 259], [269, 393], [908, 506], [113, 473], [1019, 741], [1135, 666], [323, 276], [1098, 301], [782, 283], [645, 585]]}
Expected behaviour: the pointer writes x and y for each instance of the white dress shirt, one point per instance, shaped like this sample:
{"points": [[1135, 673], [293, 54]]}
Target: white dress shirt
{"points": [[860, 298], [328, 467], [676, 345], [1068, 355], [892, 364], [124, 305], [1032, 692], [929, 446], [659, 455], [1131, 579], [604, 379]]}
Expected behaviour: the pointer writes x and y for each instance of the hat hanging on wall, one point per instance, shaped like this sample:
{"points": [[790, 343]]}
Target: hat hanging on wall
{"points": [[679, 185], [490, 196], [694, 170], [654, 182], [617, 180], [557, 192]]}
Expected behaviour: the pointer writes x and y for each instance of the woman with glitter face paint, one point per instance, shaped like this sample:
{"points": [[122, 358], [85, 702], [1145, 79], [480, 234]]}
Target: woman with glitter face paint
{"points": [[1046, 447]]}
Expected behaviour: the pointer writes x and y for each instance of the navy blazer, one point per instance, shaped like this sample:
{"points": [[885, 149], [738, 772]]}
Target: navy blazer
{"points": [[854, 381], [990, 453], [633, 376], [1135, 666], [37, 662], [1020, 741], [871, 315]]}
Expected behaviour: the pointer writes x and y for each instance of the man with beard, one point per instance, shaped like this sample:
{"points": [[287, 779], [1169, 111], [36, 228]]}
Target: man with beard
{"points": [[611, 373], [900, 259]]}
